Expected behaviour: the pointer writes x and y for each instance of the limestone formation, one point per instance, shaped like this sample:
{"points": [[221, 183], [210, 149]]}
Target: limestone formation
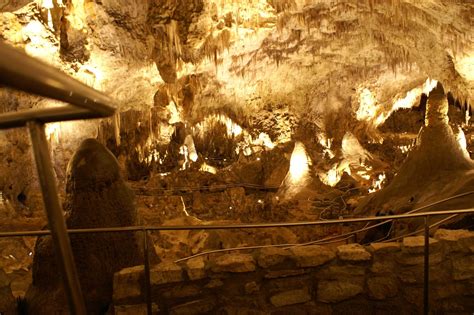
{"points": [[97, 196], [241, 112], [437, 160]]}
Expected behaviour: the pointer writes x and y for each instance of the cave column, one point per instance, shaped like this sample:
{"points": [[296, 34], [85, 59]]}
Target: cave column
{"points": [[437, 108]]}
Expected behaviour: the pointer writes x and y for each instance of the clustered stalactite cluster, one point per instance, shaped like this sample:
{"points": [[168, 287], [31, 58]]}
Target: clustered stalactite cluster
{"points": [[309, 29]]}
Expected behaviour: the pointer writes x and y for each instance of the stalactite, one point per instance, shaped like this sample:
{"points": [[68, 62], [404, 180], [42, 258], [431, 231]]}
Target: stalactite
{"points": [[150, 119], [116, 123]]}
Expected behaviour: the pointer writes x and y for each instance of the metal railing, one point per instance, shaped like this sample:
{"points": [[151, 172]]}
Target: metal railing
{"points": [[146, 229], [19, 71]]}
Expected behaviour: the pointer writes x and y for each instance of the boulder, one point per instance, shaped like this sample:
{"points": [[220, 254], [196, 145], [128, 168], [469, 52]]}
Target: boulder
{"points": [[128, 283], [290, 297], [414, 259], [383, 266], [234, 263], [165, 272], [456, 240], [135, 309], [383, 248], [272, 256], [272, 274], [195, 268], [416, 244], [336, 291], [463, 268], [312, 256], [353, 252], [381, 288], [338, 272], [251, 287]]}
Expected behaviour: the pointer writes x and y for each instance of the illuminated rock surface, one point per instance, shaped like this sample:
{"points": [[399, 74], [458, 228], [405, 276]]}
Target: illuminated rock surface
{"points": [[254, 111], [435, 169]]}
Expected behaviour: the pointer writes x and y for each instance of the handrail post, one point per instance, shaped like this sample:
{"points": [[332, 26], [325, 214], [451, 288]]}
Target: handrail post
{"points": [[426, 275], [147, 272], [55, 216]]}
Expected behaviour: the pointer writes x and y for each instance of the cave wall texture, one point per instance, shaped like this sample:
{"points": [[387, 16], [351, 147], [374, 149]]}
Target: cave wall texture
{"points": [[289, 69], [221, 102]]}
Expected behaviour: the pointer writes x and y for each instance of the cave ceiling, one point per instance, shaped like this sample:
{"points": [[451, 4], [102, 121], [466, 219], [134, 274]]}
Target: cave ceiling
{"points": [[244, 58]]}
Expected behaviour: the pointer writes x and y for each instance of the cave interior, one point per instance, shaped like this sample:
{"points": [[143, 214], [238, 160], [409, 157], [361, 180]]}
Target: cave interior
{"points": [[233, 112]]}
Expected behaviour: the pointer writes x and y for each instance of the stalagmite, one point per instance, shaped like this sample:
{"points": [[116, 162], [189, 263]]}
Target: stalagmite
{"points": [[97, 196], [437, 109], [438, 160], [242, 112]]}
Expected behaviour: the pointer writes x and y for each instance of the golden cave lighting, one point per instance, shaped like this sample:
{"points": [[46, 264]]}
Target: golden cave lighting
{"points": [[247, 144], [353, 163], [327, 144], [367, 105], [299, 163], [405, 148], [369, 110], [191, 149], [377, 184], [207, 168], [183, 150], [175, 113], [47, 4], [461, 139], [465, 66], [233, 129], [184, 207], [411, 99], [352, 150], [332, 177], [53, 132], [265, 140]]}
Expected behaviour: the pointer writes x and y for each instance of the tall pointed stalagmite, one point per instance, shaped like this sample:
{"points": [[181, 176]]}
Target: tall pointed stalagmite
{"points": [[436, 168]]}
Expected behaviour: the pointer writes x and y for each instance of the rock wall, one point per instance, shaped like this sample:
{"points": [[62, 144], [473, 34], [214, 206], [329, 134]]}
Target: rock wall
{"points": [[383, 278], [7, 301]]}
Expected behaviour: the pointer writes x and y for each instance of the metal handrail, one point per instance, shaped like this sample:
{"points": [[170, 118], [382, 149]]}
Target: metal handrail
{"points": [[239, 226], [28, 74], [44, 115], [146, 229], [19, 71]]}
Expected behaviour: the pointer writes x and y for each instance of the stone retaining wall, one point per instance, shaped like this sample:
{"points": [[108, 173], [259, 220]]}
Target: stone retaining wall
{"points": [[383, 278]]}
